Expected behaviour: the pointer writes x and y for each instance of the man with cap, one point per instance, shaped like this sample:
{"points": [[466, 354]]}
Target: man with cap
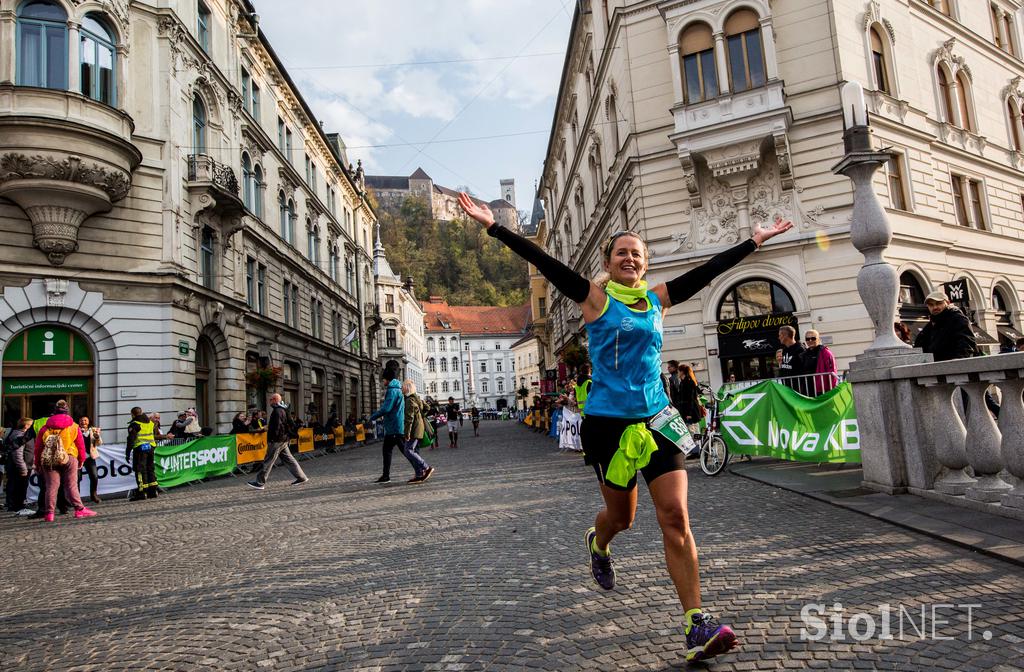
{"points": [[948, 333]]}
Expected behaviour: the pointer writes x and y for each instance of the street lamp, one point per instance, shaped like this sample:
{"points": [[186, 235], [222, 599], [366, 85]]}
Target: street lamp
{"points": [[870, 232]]}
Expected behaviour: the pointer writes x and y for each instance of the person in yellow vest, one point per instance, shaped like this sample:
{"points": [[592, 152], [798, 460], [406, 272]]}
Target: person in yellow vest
{"points": [[140, 451], [582, 387]]}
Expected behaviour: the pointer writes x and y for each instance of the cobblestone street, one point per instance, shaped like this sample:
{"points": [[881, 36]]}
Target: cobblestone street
{"points": [[482, 568]]}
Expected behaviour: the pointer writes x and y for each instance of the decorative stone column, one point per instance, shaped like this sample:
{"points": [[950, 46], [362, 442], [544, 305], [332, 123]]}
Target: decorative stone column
{"points": [[983, 447], [1011, 426], [723, 65]]}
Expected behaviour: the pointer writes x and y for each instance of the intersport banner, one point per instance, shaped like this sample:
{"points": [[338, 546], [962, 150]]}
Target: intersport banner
{"points": [[194, 460], [772, 420]]}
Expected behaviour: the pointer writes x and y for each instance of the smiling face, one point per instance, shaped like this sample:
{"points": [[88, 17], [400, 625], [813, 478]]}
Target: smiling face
{"points": [[626, 261]]}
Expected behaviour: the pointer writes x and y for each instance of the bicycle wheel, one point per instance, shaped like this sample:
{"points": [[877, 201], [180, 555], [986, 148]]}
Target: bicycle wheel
{"points": [[714, 456]]}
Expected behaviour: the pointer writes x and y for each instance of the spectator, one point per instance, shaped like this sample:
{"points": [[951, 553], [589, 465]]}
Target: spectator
{"points": [[240, 423], [91, 436], [902, 332], [688, 396], [948, 333], [278, 436], [1020, 345], [193, 428], [582, 389], [819, 361], [179, 426], [139, 451], [791, 358], [17, 463], [258, 423], [61, 476]]}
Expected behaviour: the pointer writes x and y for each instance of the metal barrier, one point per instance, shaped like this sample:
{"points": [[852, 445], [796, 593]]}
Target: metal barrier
{"points": [[810, 385]]}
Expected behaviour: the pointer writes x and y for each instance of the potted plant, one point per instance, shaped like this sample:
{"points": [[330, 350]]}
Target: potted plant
{"points": [[264, 378]]}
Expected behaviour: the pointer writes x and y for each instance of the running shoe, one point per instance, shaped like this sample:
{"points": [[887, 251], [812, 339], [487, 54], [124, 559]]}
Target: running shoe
{"points": [[426, 474], [706, 637], [383, 479], [85, 513], [48, 517], [600, 565], [255, 485], [300, 481]]}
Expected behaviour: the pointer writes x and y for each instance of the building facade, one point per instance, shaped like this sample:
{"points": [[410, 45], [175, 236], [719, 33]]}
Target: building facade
{"points": [[400, 344], [691, 122], [178, 229], [469, 352], [391, 191]]}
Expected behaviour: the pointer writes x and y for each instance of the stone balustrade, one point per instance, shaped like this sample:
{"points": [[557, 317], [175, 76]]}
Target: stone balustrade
{"points": [[944, 440]]}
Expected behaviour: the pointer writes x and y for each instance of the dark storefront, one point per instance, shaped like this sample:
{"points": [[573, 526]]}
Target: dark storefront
{"points": [[749, 318]]}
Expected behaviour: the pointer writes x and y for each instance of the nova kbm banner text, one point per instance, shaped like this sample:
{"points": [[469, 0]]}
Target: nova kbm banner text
{"points": [[771, 419], [202, 458]]}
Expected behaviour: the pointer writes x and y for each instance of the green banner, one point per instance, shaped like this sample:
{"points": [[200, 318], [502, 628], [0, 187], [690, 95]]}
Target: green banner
{"points": [[772, 420], [45, 385], [202, 458]]}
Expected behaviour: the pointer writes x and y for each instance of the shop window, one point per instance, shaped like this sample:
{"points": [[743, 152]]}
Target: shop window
{"points": [[751, 298]]}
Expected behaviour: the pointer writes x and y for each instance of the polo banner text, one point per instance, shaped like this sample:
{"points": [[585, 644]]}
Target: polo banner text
{"points": [[772, 420], [195, 460]]}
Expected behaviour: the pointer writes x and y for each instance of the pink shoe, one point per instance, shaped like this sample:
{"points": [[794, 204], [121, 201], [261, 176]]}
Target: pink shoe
{"points": [[84, 513], [48, 517]]}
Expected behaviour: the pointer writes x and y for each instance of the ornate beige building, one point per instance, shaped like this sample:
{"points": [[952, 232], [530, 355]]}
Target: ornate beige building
{"points": [[177, 226], [690, 121]]}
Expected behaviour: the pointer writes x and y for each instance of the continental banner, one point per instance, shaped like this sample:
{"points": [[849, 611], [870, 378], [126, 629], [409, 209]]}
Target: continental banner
{"points": [[772, 420], [195, 460], [306, 440], [251, 447], [339, 436], [360, 433]]}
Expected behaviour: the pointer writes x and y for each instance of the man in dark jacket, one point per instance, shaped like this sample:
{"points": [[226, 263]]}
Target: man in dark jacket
{"points": [[18, 449], [278, 435], [948, 333]]}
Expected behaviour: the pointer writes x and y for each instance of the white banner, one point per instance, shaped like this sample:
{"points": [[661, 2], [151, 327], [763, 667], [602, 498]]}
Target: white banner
{"points": [[115, 475], [569, 430]]}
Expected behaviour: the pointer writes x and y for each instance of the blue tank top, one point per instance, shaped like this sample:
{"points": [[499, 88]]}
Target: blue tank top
{"points": [[625, 353]]}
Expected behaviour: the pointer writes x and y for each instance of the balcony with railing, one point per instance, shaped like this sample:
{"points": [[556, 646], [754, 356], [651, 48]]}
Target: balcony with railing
{"points": [[216, 189]]}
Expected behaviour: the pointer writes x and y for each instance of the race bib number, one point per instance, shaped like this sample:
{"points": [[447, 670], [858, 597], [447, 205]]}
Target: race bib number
{"points": [[671, 425]]}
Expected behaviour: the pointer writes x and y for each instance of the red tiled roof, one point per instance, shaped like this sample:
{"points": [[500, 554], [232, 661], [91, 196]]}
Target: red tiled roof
{"points": [[475, 320]]}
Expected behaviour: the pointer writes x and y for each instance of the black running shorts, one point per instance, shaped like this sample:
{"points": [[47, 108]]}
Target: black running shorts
{"points": [[600, 439]]}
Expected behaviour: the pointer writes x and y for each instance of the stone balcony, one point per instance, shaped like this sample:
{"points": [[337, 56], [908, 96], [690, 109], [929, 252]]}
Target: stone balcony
{"points": [[64, 157], [215, 188]]}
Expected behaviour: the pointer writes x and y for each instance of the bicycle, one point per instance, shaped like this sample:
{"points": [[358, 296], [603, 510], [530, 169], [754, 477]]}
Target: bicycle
{"points": [[711, 449]]}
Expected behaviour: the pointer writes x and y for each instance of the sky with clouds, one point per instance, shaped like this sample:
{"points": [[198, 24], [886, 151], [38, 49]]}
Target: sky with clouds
{"points": [[387, 113]]}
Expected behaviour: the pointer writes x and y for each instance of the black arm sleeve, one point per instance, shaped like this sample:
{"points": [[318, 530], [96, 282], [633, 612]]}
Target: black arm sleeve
{"points": [[686, 285], [565, 280]]}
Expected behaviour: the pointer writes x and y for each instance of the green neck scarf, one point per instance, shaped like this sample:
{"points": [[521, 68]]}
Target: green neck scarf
{"points": [[626, 295]]}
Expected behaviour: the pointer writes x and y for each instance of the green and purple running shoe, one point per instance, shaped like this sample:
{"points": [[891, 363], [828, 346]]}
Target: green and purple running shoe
{"points": [[600, 563], [705, 637]]}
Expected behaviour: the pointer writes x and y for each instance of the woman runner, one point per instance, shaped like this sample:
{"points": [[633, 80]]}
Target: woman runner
{"points": [[624, 326]]}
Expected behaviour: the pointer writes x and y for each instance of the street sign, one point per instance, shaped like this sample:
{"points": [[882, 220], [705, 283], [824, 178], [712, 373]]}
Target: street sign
{"points": [[183, 348]]}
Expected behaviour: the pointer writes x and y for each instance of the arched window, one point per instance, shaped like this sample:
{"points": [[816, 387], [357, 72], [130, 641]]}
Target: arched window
{"points": [[946, 96], [292, 217], [247, 181], [964, 93], [697, 46], [42, 37], [198, 125], [455, 363], [613, 125], [444, 365], [1014, 119], [282, 205], [758, 296], [334, 263], [879, 62], [257, 190], [99, 58], [595, 173], [313, 242], [431, 365], [430, 344], [1001, 307], [746, 53]]}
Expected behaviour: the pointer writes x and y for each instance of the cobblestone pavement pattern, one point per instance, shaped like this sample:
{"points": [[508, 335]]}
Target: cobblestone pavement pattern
{"points": [[479, 569]]}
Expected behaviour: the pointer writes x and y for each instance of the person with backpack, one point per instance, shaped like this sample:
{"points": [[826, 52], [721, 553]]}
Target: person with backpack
{"points": [[59, 450], [17, 463], [415, 429]]}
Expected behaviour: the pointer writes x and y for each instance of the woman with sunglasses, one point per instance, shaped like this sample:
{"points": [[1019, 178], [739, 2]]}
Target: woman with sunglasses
{"points": [[630, 424]]}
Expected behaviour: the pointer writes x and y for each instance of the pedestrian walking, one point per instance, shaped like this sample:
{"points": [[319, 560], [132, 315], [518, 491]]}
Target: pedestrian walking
{"points": [[59, 449], [278, 436], [392, 410], [624, 326], [454, 417], [92, 438], [948, 334], [819, 364], [18, 456], [415, 428], [140, 451], [474, 417]]}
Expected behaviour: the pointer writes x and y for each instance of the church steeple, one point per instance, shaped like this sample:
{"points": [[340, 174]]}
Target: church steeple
{"points": [[381, 267]]}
